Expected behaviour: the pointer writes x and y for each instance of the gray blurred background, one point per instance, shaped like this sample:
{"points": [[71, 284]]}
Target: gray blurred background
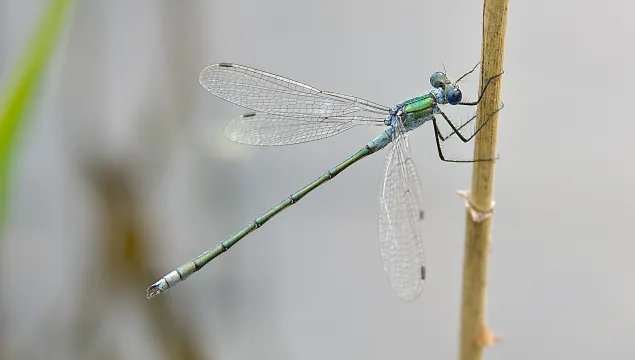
{"points": [[122, 174]]}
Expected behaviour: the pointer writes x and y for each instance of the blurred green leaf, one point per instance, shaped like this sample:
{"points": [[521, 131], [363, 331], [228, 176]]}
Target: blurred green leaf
{"points": [[16, 98]]}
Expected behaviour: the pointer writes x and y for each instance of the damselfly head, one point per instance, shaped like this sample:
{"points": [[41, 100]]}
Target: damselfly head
{"points": [[451, 90]]}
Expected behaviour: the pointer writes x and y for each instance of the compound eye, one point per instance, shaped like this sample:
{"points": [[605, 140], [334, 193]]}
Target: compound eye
{"points": [[437, 80], [454, 96]]}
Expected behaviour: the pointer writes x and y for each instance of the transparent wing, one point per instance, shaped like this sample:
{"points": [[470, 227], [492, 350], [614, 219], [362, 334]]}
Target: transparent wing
{"points": [[264, 92], [400, 213], [272, 130]]}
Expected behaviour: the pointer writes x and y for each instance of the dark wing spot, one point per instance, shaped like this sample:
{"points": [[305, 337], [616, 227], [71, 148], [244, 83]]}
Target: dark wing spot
{"points": [[423, 272]]}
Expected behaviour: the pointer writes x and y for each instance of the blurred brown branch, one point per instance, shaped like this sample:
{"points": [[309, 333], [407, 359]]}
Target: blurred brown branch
{"points": [[124, 265]]}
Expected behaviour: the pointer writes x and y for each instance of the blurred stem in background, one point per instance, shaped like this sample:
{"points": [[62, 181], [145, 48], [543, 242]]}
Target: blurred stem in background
{"points": [[474, 333], [16, 98], [124, 244]]}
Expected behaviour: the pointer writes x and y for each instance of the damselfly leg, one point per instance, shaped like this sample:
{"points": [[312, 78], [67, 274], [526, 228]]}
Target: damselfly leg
{"points": [[455, 129]]}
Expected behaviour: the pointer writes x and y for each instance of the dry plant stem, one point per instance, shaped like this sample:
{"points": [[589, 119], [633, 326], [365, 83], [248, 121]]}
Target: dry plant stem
{"points": [[478, 233]]}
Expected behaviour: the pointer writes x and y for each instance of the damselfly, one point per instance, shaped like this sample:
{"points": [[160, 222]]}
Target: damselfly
{"points": [[288, 112]]}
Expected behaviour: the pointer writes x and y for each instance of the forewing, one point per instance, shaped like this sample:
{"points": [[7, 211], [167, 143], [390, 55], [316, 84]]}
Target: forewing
{"points": [[269, 93]]}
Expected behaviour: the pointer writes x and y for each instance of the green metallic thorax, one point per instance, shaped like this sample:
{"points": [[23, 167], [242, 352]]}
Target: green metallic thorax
{"points": [[419, 107], [418, 110]]}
